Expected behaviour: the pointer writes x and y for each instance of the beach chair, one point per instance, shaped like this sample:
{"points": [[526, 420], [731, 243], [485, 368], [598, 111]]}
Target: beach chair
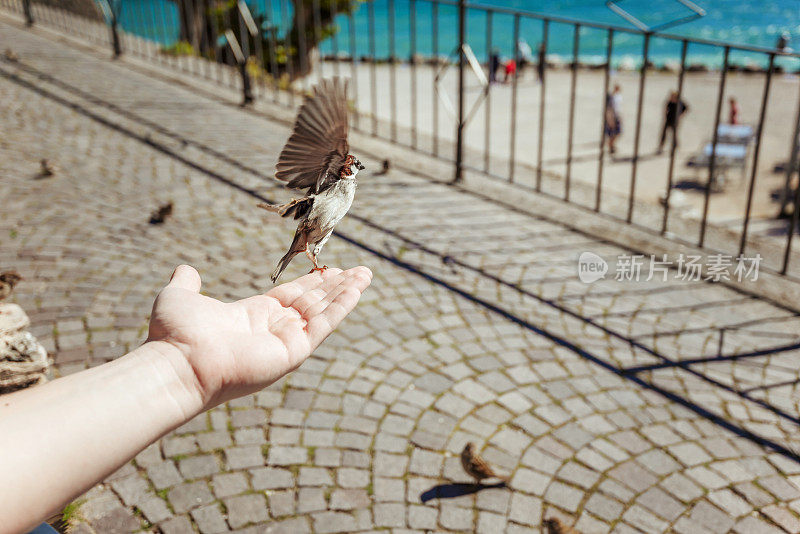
{"points": [[733, 144]]}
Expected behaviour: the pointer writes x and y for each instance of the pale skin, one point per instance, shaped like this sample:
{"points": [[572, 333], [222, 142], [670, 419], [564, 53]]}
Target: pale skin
{"points": [[61, 438]]}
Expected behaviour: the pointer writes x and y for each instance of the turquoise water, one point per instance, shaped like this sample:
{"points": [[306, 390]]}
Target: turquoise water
{"points": [[745, 22]]}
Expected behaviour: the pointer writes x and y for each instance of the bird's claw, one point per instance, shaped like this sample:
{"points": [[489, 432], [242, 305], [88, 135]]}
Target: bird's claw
{"points": [[320, 269]]}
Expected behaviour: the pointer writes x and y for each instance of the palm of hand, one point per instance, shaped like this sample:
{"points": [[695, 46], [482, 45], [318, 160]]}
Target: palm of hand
{"points": [[240, 347]]}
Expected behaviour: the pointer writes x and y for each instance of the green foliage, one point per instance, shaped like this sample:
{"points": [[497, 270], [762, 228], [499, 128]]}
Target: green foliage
{"points": [[285, 54], [181, 48]]}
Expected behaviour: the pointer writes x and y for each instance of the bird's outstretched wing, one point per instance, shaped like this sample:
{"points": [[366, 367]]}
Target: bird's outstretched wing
{"points": [[317, 148]]}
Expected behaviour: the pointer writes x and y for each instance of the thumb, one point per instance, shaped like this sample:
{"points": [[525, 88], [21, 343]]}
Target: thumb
{"points": [[185, 277]]}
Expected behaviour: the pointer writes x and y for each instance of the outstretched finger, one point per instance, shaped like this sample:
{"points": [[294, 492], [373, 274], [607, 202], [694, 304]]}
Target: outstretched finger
{"points": [[317, 306], [287, 293], [322, 324], [185, 277], [310, 298]]}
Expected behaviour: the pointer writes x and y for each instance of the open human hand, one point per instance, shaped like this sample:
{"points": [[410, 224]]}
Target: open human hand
{"points": [[225, 350]]}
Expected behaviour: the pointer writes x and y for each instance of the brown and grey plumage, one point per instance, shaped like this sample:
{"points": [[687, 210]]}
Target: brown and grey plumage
{"points": [[8, 279], [316, 159], [554, 525], [475, 466]]}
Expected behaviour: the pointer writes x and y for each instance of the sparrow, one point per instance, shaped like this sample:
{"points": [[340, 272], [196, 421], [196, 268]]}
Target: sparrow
{"points": [[317, 157], [8, 279], [46, 168], [475, 466], [161, 214], [555, 526]]}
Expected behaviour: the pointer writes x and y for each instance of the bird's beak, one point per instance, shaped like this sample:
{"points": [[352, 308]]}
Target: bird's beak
{"points": [[360, 166]]}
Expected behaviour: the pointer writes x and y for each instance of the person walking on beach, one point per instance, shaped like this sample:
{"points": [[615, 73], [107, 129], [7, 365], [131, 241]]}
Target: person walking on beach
{"points": [[510, 70], [733, 115], [494, 64], [613, 120], [672, 113], [542, 64]]}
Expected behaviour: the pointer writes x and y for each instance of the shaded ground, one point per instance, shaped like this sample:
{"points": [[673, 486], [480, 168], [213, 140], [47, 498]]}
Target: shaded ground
{"points": [[624, 406]]}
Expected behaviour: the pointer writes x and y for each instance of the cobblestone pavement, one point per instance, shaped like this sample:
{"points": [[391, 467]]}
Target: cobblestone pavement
{"points": [[621, 407]]}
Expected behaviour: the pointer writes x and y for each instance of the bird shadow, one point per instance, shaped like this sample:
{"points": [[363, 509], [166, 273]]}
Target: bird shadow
{"points": [[450, 491]]}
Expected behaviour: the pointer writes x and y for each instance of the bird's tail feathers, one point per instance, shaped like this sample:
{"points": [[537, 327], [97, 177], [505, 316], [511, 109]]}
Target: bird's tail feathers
{"points": [[285, 260]]}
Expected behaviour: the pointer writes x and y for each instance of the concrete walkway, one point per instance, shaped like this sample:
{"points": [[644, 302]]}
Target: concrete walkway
{"points": [[620, 406]]}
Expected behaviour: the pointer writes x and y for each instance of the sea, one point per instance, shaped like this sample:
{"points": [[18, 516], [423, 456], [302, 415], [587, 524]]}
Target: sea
{"points": [[427, 31]]}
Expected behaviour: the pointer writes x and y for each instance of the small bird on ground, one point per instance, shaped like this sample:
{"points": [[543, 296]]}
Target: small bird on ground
{"points": [[387, 166], [11, 55], [160, 215], [317, 157], [8, 279], [555, 526], [475, 466], [46, 168]]}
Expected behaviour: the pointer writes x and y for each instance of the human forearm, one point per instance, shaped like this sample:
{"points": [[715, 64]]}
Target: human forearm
{"points": [[59, 439]]}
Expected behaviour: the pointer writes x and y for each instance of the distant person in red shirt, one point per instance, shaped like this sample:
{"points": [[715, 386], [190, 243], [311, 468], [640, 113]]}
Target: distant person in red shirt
{"points": [[733, 116], [511, 70]]}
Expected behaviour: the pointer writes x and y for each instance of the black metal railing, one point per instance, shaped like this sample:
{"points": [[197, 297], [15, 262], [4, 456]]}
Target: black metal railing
{"points": [[421, 55]]}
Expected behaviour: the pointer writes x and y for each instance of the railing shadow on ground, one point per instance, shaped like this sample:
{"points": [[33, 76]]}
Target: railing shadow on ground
{"points": [[450, 261]]}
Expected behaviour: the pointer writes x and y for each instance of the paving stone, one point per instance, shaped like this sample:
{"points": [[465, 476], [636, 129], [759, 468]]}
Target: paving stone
{"points": [[266, 478], [246, 509], [198, 466], [228, 484], [282, 503], [209, 519], [244, 457], [782, 517], [349, 499], [325, 522], [164, 475], [564, 496], [177, 525], [154, 509], [187, 496], [310, 500]]}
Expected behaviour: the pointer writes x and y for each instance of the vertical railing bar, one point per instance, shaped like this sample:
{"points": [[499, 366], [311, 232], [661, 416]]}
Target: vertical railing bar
{"points": [[232, 78], [458, 175], [571, 121], [712, 160], [302, 42], [487, 128], [316, 10], [373, 85], [793, 222], [273, 52], [204, 63], [435, 46], [756, 152], [412, 28], [392, 72], [543, 93], [512, 163], [637, 133], [288, 46], [601, 158], [258, 37], [671, 169], [335, 39], [353, 66]]}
